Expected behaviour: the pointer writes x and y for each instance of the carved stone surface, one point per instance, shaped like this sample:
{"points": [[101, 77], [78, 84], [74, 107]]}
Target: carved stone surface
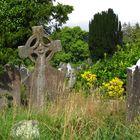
{"points": [[40, 53], [55, 82], [133, 92]]}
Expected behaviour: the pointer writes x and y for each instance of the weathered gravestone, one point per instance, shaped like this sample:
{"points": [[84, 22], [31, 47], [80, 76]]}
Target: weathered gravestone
{"points": [[70, 74], [10, 86], [24, 73], [44, 78], [133, 92]]}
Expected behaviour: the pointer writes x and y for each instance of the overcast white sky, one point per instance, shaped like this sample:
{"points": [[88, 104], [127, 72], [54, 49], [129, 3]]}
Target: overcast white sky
{"points": [[127, 10]]}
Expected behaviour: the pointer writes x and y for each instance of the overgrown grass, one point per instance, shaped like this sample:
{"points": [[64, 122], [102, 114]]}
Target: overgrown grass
{"points": [[76, 118]]}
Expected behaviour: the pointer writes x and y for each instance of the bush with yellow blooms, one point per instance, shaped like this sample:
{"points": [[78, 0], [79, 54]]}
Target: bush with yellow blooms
{"points": [[114, 88], [89, 78]]}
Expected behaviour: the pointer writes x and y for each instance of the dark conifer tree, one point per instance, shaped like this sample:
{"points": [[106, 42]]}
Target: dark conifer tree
{"points": [[104, 34]]}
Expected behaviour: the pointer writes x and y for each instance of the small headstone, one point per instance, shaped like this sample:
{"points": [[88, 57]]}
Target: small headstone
{"points": [[25, 130], [72, 79], [70, 74]]}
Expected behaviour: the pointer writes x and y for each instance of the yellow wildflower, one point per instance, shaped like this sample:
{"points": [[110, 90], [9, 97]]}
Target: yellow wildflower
{"points": [[114, 87], [89, 78]]}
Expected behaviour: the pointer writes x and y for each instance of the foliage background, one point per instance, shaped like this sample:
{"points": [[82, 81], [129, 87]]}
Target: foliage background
{"points": [[74, 43]]}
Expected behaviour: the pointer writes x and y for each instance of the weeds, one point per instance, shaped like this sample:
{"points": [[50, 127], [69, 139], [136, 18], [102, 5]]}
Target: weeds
{"points": [[75, 118]]}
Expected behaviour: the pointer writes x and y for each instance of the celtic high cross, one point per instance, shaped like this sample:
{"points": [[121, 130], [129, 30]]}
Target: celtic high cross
{"points": [[40, 53]]}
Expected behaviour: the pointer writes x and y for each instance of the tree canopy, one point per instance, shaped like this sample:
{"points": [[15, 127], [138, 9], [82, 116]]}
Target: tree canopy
{"points": [[131, 33], [104, 34], [74, 43], [18, 16], [16, 19]]}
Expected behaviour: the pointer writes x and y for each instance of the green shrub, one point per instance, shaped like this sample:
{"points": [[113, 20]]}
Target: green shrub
{"points": [[116, 66], [74, 45]]}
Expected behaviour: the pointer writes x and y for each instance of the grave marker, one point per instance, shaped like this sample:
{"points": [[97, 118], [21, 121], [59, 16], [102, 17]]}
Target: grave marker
{"points": [[40, 53], [133, 92]]}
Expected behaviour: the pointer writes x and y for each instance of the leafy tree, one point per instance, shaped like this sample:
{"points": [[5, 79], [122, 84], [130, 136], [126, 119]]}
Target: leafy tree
{"points": [[104, 34], [131, 33], [10, 55], [74, 44], [18, 16]]}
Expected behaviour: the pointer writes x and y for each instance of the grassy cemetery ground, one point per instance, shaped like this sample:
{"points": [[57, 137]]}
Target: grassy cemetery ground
{"points": [[103, 102], [76, 117], [84, 116]]}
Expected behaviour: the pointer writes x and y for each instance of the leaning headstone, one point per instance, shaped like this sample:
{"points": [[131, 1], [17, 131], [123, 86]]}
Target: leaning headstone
{"points": [[133, 92], [10, 84], [25, 130], [15, 79], [40, 53]]}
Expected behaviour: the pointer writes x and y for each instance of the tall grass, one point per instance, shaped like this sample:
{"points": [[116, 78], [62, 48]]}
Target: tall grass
{"points": [[75, 118]]}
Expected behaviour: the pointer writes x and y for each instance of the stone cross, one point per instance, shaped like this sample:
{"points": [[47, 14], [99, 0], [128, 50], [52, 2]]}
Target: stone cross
{"points": [[40, 53]]}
